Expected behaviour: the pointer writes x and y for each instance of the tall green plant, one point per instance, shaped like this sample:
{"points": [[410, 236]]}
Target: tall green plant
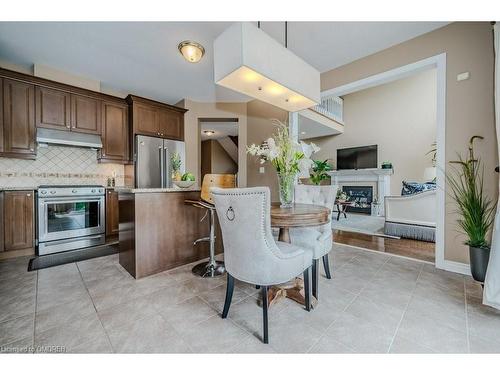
{"points": [[476, 210], [319, 170]]}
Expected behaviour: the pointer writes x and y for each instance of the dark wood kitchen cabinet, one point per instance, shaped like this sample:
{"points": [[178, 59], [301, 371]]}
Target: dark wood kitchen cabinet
{"points": [[61, 110], [171, 124], [18, 228], [146, 118], [156, 119], [17, 119], [85, 114], [112, 217], [53, 108], [115, 133]]}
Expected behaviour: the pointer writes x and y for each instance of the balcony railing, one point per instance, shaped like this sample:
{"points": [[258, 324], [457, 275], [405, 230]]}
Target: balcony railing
{"points": [[331, 107]]}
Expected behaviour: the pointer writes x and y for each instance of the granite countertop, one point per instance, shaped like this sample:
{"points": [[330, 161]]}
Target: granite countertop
{"points": [[156, 190], [14, 188]]}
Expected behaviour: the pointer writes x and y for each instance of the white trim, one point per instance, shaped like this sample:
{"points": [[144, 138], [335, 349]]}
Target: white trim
{"points": [[457, 267], [438, 62]]}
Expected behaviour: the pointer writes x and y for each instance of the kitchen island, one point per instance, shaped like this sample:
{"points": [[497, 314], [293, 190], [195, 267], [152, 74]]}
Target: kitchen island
{"points": [[157, 229]]}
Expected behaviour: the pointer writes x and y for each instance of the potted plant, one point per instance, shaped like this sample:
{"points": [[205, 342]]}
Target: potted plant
{"points": [[476, 210], [288, 156], [319, 171]]}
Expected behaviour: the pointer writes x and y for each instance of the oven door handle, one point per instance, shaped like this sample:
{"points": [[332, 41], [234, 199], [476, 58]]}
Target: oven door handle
{"points": [[66, 200]]}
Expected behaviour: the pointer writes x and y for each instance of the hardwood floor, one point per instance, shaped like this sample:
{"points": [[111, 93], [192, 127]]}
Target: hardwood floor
{"points": [[405, 247]]}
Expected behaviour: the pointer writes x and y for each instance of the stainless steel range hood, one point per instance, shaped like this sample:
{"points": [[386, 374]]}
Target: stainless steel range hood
{"points": [[68, 138]]}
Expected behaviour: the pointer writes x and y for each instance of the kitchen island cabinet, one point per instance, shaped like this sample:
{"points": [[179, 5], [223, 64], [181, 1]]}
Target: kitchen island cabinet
{"points": [[157, 230]]}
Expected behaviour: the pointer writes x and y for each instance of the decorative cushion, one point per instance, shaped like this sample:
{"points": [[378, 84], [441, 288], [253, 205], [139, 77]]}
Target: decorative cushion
{"points": [[410, 188]]}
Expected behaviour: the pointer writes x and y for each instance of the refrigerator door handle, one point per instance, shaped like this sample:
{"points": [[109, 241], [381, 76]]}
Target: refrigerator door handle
{"points": [[166, 172], [162, 166]]}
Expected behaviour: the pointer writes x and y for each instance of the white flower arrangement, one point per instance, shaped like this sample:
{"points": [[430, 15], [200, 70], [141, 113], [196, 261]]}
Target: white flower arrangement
{"points": [[286, 154]]}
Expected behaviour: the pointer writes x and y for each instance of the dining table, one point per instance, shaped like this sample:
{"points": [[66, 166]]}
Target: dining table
{"points": [[299, 215]]}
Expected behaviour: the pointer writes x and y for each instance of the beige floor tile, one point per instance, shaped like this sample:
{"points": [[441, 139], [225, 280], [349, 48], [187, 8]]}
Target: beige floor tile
{"points": [[99, 345], [378, 313], [215, 297], [148, 335], [187, 314], [328, 345], [253, 345], [71, 334], [22, 346], [14, 305], [163, 298], [290, 335], [126, 313], [432, 334], [482, 345], [401, 345], [214, 335], [200, 285], [360, 335], [16, 329], [63, 314], [455, 316], [485, 325]]}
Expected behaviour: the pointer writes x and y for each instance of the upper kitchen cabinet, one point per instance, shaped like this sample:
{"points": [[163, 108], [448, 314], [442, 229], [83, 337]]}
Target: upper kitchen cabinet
{"points": [[171, 124], [53, 109], [85, 114], [58, 109], [115, 133], [146, 118], [17, 119], [156, 119]]}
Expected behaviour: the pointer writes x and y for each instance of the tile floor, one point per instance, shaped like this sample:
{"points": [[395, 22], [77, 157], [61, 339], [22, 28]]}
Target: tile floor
{"points": [[375, 303]]}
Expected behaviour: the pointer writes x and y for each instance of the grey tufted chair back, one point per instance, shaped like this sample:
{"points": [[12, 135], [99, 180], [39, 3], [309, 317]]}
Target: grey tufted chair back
{"points": [[250, 252], [321, 195]]}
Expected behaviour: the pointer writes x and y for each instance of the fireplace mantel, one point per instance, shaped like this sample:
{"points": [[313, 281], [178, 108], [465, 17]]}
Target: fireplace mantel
{"points": [[382, 177]]}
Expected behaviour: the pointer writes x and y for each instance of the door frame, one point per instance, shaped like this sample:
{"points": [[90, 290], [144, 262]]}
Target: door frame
{"points": [[437, 62]]}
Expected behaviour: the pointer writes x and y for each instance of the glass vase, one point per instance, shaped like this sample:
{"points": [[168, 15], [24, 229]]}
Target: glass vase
{"points": [[286, 182]]}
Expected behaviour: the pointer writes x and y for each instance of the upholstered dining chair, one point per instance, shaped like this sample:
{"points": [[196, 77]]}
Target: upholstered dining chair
{"points": [[212, 268], [318, 239], [250, 253]]}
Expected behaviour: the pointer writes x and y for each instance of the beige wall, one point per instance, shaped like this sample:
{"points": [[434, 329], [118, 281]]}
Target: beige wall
{"points": [[214, 159], [469, 104], [197, 111], [399, 117], [260, 128]]}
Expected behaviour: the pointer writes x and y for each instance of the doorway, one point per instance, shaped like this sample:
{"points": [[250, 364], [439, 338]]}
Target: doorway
{"points": [[219, 146], [438, 63]]}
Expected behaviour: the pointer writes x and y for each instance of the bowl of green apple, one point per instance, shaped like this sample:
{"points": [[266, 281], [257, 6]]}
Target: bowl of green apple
{"points": [[187, 180]]}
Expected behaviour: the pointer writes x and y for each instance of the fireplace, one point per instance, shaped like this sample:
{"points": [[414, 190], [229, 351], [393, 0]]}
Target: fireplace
{"points": [[361, 196]]}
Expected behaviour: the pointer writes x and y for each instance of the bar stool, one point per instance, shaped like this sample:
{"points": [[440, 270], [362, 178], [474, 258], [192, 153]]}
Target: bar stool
{"points": [[212, 268]]}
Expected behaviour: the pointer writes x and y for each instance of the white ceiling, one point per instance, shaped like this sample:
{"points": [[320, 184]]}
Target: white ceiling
{"points": [[221, 129], [142, 58]]}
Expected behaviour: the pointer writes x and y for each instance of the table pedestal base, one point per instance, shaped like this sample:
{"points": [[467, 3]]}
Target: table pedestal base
{"points": [[295, 292]]}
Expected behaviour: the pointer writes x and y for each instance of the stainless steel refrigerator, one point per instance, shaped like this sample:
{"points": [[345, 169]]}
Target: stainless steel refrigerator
{"points": [[153, 164]]}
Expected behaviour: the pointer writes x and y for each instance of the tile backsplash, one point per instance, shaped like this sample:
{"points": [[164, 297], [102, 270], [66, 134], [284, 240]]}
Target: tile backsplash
{"points": [[58, 165]]}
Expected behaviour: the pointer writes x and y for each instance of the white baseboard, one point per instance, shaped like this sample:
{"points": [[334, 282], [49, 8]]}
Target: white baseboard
{"points": [[457, 267]]}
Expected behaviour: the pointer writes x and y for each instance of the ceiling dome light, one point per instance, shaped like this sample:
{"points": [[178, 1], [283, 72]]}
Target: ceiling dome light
{"points": [[209, 132], [191, 51]]}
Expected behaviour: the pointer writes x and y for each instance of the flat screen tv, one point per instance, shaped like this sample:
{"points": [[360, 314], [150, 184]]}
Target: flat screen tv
{"points": [[357, 157]]}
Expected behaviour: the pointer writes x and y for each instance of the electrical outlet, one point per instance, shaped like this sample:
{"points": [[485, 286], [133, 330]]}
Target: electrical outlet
{"points": [[262, 170], [463, 76]]}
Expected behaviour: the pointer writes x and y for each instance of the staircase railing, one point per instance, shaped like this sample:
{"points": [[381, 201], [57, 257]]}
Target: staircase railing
{"points": [[331, 107]]}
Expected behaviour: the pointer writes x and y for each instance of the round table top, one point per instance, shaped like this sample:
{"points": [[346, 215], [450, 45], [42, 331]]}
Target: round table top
{"points": [[300, 215]]}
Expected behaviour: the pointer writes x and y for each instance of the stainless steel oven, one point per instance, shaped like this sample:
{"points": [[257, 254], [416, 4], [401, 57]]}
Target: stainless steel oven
{"points": [[70, 217]]}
